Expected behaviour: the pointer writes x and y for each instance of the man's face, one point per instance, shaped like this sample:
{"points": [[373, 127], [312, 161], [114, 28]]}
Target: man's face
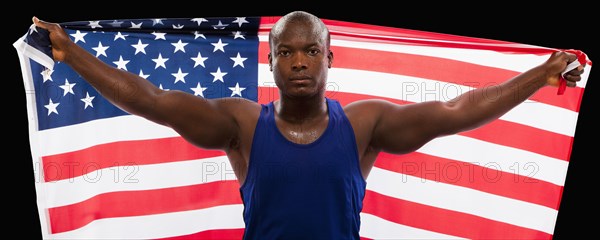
{"points": [[300, 60]]}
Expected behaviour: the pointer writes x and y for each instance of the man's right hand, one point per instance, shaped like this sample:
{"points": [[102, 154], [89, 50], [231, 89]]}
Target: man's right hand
{"points": [[60, 41]]}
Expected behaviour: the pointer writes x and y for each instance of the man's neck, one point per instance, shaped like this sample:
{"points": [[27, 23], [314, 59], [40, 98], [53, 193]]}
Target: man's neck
{"points": [[300, 110]]}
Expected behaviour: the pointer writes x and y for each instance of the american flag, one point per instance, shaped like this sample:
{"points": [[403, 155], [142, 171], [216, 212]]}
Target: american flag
{"points": [[102, 173]]}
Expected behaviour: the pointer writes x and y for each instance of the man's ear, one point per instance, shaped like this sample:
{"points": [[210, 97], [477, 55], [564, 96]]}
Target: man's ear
{"points": [[330, 58], [270, 62]]}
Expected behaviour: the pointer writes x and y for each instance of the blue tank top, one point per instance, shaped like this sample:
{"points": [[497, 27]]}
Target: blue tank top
{"points": [[303, 191]]}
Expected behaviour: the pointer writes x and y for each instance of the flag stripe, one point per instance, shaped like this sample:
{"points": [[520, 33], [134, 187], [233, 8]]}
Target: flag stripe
{"points": [[473, 176], [135, 203], [376, 227], [439, 69], [460, 199], [160, 225], [211, 234], [449, 222]]}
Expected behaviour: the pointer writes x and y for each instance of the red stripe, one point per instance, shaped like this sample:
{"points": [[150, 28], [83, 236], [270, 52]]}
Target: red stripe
{"points": [[219, 234], [521, 136], [145, 202], [472, 175], [444, 221], [123, 153]]}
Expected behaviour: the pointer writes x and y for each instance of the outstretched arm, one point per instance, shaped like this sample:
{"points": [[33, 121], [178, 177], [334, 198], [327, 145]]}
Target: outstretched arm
{"points": [[207, 123], [405, 128]]}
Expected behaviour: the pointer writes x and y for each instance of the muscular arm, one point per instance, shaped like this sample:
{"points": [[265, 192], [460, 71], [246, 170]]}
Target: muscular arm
{"points": [[405, 128], [206, 123]]}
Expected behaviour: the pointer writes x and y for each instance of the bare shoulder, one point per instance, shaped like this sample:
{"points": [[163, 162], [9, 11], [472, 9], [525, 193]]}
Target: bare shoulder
{"points": [[238, 105], [367, 106]]}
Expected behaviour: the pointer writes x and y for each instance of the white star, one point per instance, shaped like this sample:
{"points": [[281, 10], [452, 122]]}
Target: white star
{"points": [[238, 34], [78, 36], [160, 61], [140, 47], [179, 76], [121, 63], [161, 87], [178, 26], [120, 35], [198, 90], [100, 50], [199, 60], [116, 23], [218, 75], [240, 21], [157, 21], [47, 74], [94, 24], [198, 34], [179, 46], [133, 25], [238, 60], [67, 87], [219, 46], [158, 35], [52, 107], [220, 25], [87, 100], [143, 75], [237, 90], [199, 20]]}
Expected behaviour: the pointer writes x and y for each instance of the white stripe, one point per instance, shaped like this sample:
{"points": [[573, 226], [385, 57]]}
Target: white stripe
{"points": [[88, 134], [378, 228], [498, 157], [159, 225], [461, 199], [419, 90], [141, 177]]}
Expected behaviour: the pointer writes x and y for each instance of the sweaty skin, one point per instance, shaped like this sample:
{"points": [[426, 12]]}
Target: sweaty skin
{"points": [[300, 58]]}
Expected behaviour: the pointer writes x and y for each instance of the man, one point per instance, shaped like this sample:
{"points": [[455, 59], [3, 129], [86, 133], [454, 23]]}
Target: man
{"points": [[302, 160]]}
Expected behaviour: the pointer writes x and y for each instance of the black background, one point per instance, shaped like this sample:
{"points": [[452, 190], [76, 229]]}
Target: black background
{"points": [[564, 26]]}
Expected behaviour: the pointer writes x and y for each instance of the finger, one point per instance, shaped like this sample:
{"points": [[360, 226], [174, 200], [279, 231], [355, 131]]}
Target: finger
{"points": [[40, 23]]}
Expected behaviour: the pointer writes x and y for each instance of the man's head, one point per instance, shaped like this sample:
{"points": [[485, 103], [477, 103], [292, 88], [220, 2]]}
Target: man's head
{"points": [[300, 56]]}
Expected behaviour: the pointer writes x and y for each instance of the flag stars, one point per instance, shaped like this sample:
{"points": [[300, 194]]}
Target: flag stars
{"points": [[119, 35], [161, 87], [179, 76], [160, 61], [94, 24], [87, 100], [238, 61], [141, 74], [159, 35], [240, 21], [198, 34], [220, 25], [178, 26], [67, 87], [179, 46], [47, 74], [199, 60], [238, 34], [237, 90], [219, 46], [134, 25], [157, 21], [140, 47], [78, 36], [199, 20], [52, 107], [121, 64], [198, 90], [218, 75], [115, 23], [100, 49]]}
